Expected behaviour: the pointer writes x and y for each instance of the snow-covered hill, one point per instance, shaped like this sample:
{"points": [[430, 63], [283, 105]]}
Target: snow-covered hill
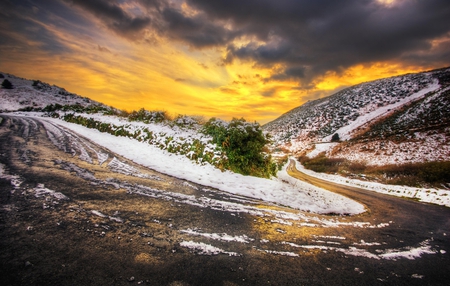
{"points": [[27, 94], [393, 120]]}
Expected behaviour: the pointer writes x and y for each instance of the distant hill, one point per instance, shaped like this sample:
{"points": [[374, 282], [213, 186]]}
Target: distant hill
{"points": [[36, 94], [394, 120]]}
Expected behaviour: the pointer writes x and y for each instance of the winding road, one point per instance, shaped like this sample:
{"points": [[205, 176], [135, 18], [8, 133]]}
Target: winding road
{"points": [[410, 217], [74, 213]]}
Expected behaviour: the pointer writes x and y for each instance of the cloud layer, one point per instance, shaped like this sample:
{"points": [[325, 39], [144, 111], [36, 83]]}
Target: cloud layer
{"points": [[263, 49], [307, 38]]}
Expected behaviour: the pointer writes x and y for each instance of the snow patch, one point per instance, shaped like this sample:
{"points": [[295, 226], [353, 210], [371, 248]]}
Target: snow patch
{"points": [[205, 249], [219, 236], [42, 191]]}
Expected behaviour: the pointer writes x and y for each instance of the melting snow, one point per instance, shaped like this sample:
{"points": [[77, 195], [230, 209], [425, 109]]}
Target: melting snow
{"points": [[220, 236], [388, 254], [41, 191], [205, 249]]}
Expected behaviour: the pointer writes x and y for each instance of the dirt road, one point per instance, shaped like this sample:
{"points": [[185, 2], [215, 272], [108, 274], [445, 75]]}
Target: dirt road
{"points": [[74, 213]]}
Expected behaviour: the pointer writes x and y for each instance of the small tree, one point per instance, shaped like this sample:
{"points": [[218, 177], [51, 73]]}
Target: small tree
{"points": [[335, 138], [7, 84]]}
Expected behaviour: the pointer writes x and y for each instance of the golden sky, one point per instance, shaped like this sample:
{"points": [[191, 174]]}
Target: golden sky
{"points": [[199, 58]]}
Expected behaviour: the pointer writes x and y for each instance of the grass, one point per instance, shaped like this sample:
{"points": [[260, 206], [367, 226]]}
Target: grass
{"points": [[434, 174]]}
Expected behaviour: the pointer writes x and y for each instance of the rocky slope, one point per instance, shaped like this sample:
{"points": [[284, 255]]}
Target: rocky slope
{"points": [[393, 120]]}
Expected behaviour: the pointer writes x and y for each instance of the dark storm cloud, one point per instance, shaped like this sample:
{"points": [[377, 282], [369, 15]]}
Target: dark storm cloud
{"points": [[162, 17], [312, 37], [197, 31], [302, 38], [22, 27], [115, 17]]}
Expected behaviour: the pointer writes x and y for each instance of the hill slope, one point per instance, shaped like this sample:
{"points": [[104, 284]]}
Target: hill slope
{"points": [[393, 120], [36, 94]]}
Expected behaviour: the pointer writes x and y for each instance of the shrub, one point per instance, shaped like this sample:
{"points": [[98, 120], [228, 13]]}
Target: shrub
{"points": [[7, 84], [322, 163], [243, 144], [335, 138], [51, 107], [148, 116], [435, 172], [357, 167], [429, 172], [185, 120]]}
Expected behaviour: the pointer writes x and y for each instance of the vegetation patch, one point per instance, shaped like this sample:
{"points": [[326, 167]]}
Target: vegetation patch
{"points": [[238, 146], [244, 144], [436, 174]]}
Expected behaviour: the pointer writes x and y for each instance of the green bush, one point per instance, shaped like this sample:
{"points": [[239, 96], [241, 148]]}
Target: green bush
{"points": [[356, 167], [244, 144]]}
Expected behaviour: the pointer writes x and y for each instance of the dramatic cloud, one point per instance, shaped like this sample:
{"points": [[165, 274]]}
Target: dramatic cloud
{"points": [[312, 37], [115, 17], [226, 56]]}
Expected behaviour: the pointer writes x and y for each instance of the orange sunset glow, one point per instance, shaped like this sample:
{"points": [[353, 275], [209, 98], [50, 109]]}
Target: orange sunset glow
{"points": [[219, 58]]}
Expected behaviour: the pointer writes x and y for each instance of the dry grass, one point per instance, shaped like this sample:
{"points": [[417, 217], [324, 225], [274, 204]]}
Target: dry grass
{"points": [[433, 174]]}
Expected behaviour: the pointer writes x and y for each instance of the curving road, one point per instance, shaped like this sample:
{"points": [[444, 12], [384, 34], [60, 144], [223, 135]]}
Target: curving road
{"points": [[416, 218], [74, 213]]}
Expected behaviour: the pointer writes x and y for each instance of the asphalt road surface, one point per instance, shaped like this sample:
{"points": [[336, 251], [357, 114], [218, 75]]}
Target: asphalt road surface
{"points": [[75, 213]]}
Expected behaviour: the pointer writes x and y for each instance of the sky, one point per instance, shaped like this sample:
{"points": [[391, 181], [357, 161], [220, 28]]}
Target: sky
{"points": [[255, 59]]}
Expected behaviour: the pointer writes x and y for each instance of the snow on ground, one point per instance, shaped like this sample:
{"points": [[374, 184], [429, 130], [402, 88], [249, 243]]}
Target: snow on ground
{"points": [[321, 147], [297, 195], [219, 236], [205, 249], [407, 252], [424, 148], [346, 131], [435, 196], [15, 180], [410, 253], [42, 191]]}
